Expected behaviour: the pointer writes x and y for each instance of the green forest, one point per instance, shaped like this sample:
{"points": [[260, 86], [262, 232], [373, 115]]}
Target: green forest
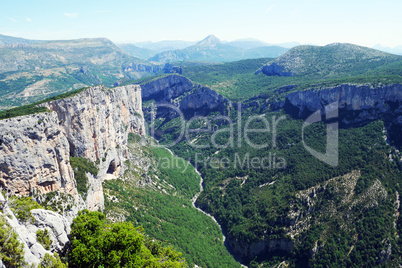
{"points": [[252, 204], [168, 215]]}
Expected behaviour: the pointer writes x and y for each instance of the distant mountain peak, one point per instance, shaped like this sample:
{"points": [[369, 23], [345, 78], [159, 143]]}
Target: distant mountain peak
{"points": [[210, 41]]}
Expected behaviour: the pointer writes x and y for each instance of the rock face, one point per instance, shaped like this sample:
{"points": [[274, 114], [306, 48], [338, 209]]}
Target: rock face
{"points": [[181, 92], [99, 119], [35, 149], [202, 101], [169, 68], [96, 123], [34, 153], [167, 88], [357, 105], [57, 226], [377, 100], [274, 69]]}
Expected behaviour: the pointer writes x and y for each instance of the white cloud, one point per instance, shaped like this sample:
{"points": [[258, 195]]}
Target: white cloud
{"points": [[70, 15], [269, 9], [28, 20], [13, 20]]}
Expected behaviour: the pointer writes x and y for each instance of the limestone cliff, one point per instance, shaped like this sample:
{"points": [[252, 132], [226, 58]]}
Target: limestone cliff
{"points": [[376, 101], [34, 154], [166, 89], [358, 104], [181, 92], [35, 149], [202, 101]]}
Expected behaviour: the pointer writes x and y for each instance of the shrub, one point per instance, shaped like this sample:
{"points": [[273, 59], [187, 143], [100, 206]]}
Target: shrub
{"points": [[50, 261], [98, 244], [80, 166], [42, 236], [11, 250], [22, 206]]}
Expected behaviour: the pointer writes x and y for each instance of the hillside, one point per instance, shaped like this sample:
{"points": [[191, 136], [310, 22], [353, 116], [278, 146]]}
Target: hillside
{"points": [[164, 45], [280, 204], [138, 52], [311, 67], [212, 49], [35, 70], [330, 61], [15, 41]]}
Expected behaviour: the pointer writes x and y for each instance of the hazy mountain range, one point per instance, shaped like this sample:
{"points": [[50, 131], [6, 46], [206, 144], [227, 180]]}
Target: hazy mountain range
{"points": [[209, 49]]}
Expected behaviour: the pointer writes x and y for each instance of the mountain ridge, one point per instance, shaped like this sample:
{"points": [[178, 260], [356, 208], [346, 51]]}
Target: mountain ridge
{"points": [[31, 72], [328, 59], [212, 49]]}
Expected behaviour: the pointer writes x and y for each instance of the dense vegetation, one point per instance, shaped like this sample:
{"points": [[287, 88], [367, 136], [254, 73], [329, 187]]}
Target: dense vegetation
{"points": [[11, 250], [42, 236], [252, 203], [22, 206], [163, 207], [81, 166], [95, 243], [98, 244], [52, 261]]}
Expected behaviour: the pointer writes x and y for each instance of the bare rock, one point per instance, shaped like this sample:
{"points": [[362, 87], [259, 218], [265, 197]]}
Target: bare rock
{"points": [[34, 153]]}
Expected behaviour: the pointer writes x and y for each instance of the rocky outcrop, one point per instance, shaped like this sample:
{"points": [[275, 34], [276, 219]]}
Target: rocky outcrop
{"points": [[376, 101], [33, 251], [94, 124], [139, 67], [202, 101], [34, 154], [58, 228], [169, 68], [181, 92], [166, 89], [99, 119], [274, 69], [358, 105]]}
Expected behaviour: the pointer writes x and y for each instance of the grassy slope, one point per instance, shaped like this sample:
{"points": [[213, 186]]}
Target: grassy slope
{"points": [[167, 214]]}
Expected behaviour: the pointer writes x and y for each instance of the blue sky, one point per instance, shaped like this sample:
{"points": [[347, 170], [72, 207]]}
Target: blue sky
{"points": [[318, 22]]}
